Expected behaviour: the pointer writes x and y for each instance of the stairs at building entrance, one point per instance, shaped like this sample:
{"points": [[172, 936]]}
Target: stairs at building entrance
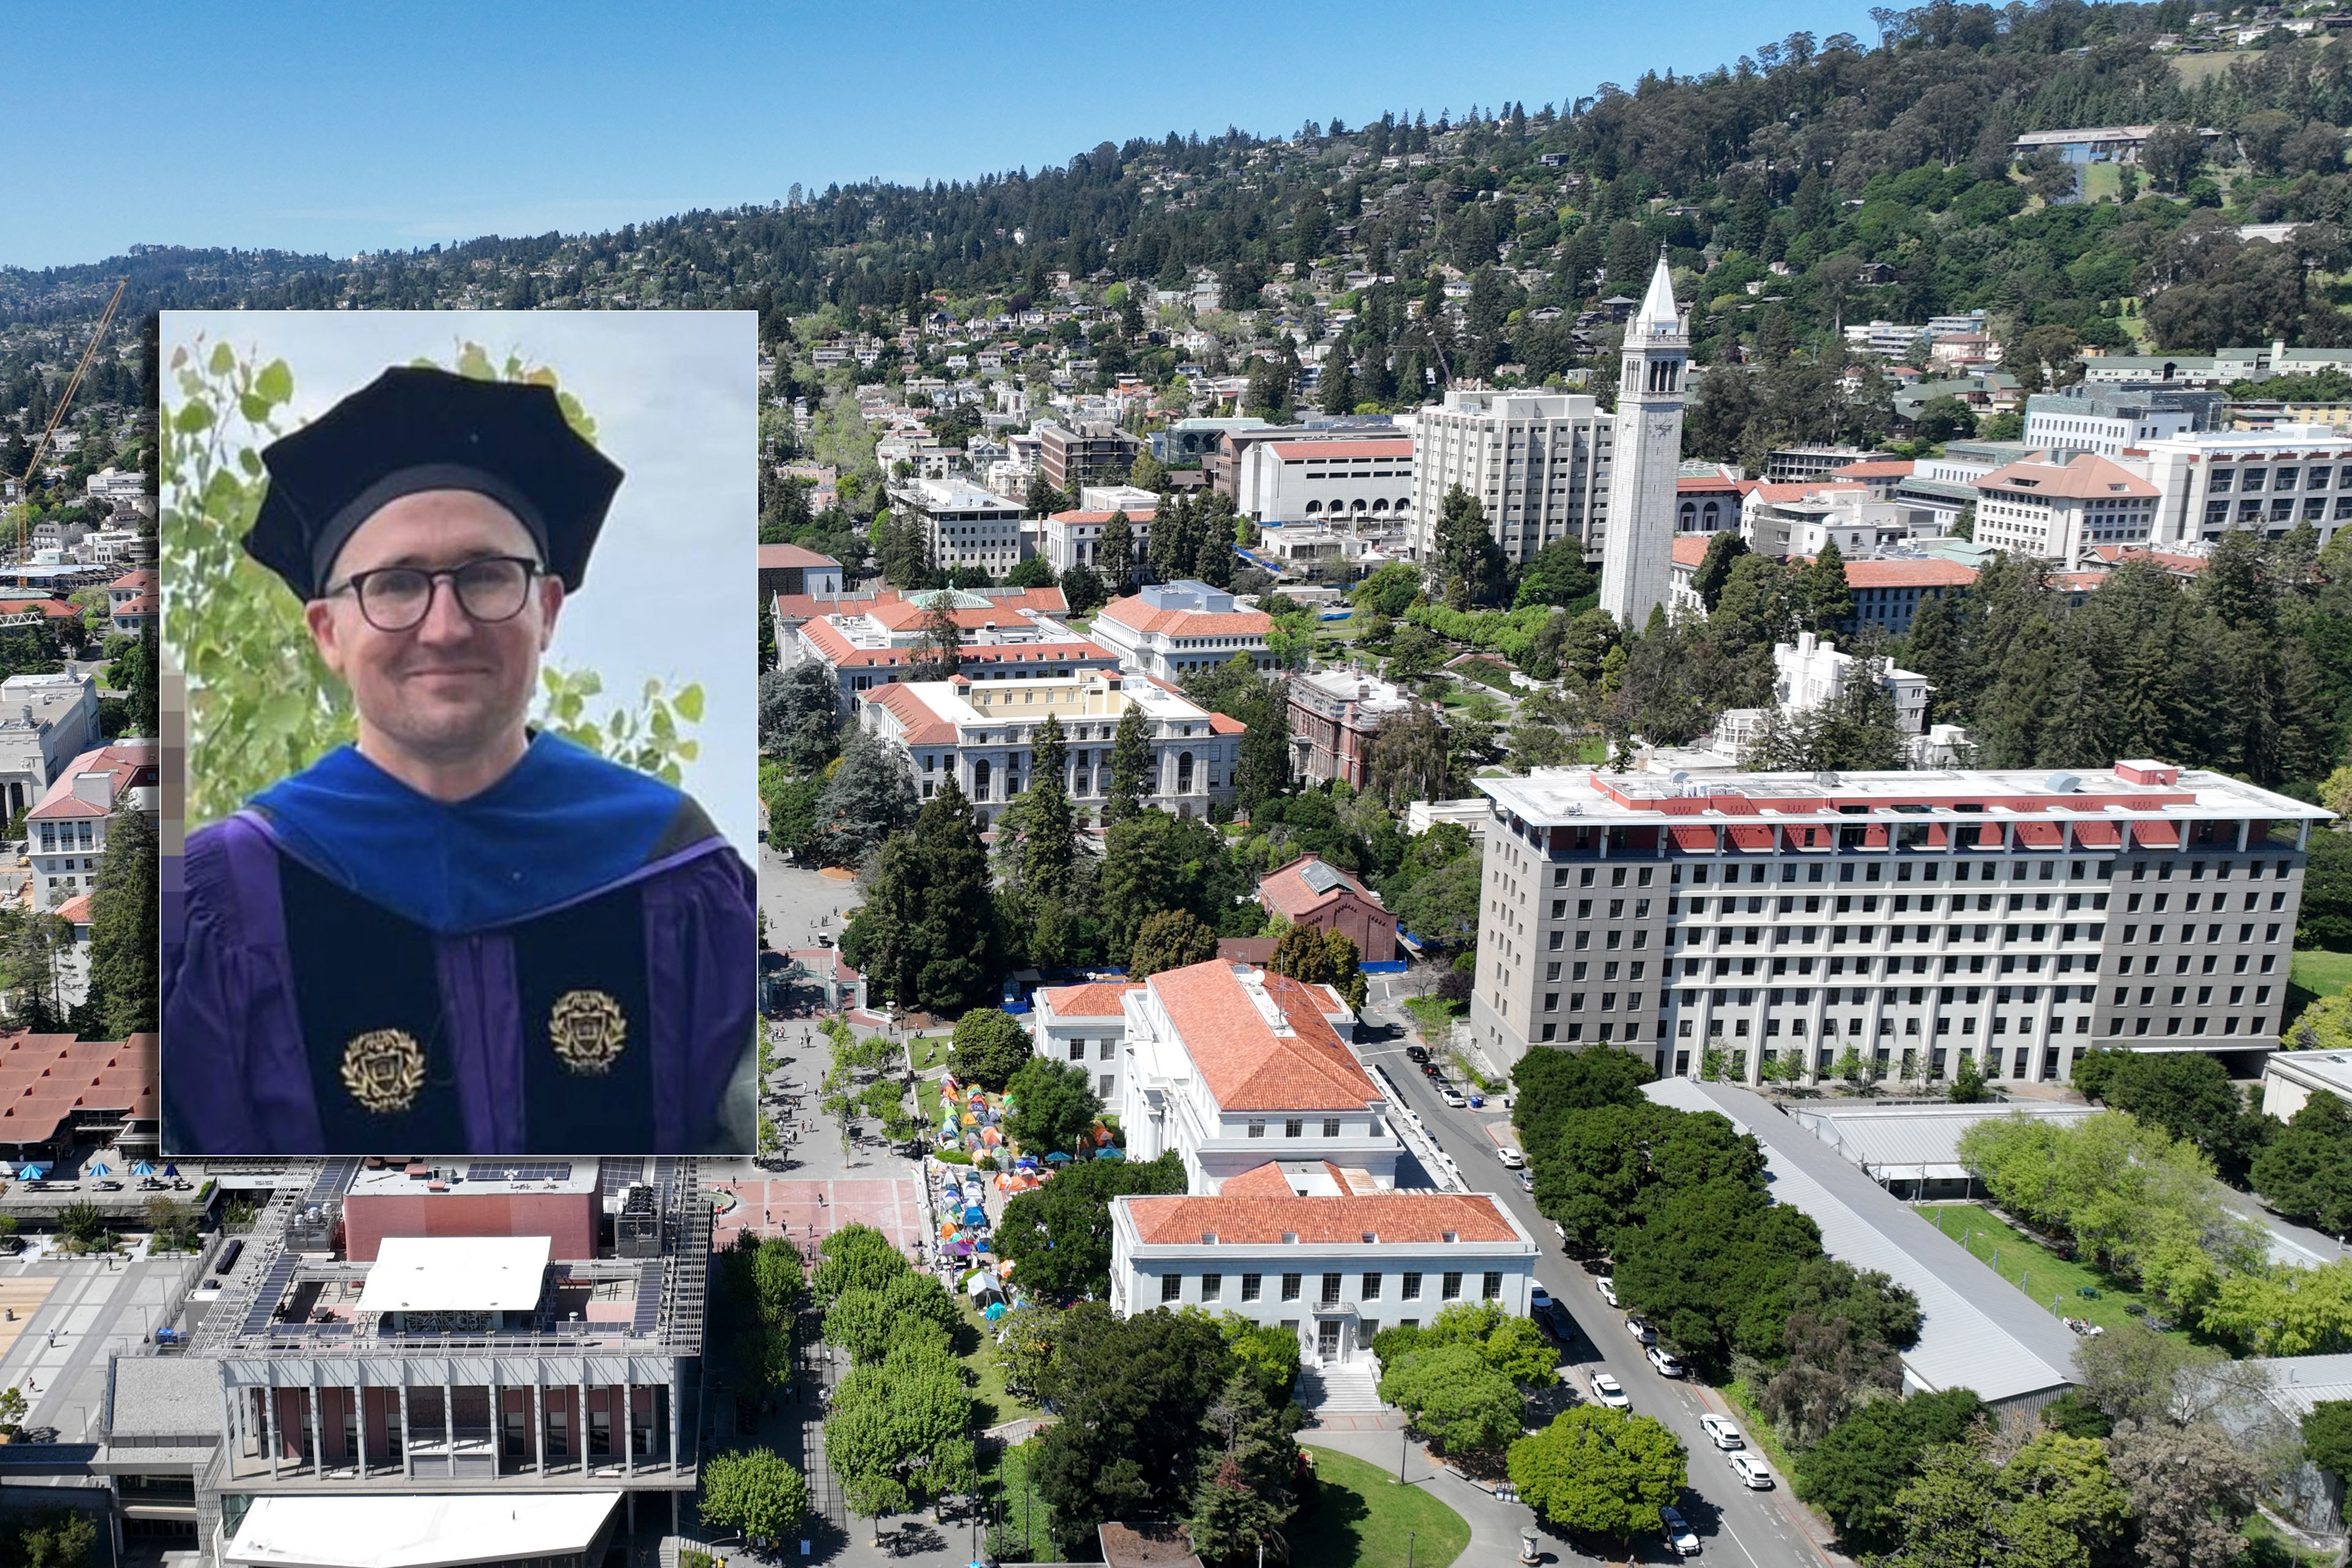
{"points": [[1349, 1388]]}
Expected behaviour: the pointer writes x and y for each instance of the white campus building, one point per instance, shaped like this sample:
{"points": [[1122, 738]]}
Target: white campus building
{"points": [[967, 526], [1326, 478], [2267, 480], [1537, 461], [1811, 672], [1294, 1212], [2018, 917], [982, 733], [1168, 629]]}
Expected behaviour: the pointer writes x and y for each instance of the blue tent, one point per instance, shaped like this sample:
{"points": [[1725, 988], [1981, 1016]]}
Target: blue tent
{"points": [[975, 1214], [142, 1169], [171, 1170], [98, 1168], [1110, 1153], [32, 1171]]}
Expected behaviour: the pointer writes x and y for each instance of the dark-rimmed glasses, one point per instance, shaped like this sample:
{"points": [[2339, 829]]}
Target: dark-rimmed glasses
{"points": [[398, 598]]}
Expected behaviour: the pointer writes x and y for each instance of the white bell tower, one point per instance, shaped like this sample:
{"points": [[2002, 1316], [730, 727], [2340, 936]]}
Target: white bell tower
{"points": [[1637, 563]]}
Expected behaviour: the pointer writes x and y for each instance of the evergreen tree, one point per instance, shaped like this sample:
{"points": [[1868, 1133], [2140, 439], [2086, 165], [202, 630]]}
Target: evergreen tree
{"points": [[1715, 567], [1044, 499], [1466, 564], [1045, 826], [937, 652], [1082, 589], [927, 935], [1115, 554], [125, 930], [871, 796], [1823, 601], [1132, 767], [1337, 385], [1167, 540], [1213, 561]]}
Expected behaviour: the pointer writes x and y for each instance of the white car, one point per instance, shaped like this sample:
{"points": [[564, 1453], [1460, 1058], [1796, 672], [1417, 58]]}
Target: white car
{"points": [[1512, 1159], [1750, 1471], [1641, 1331], [1681, 1539], [1721, 1432], [1453, 1096], [1606, 1390], [1667, 1364], [1607, 1286], [1527, 1181]]}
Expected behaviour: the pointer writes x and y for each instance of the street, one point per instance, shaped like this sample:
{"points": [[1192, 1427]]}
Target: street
{"points": [[1761, 1529]]}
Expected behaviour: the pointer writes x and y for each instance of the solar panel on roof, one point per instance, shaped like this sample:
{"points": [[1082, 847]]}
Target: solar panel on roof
{"points": [[1319, 877], [273, 1288], [334, 1179], [520, 1170], [618, 1175], [648, 1312]]}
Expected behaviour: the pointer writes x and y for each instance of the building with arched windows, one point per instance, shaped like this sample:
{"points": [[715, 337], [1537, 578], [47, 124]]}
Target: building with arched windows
{"points": [[983, 735], [1363, 480]]}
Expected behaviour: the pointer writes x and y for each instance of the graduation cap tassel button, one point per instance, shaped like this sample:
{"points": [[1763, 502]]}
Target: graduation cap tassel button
{"points": [[588, 1030]]}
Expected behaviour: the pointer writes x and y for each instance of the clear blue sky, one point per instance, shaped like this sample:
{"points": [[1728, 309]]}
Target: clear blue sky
{"points": [[345, 127]]}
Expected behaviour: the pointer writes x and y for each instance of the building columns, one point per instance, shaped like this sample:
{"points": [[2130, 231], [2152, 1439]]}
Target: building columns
{"points": [[539, 1426], [318, 1430], [408, 1441], [449, 1425]]}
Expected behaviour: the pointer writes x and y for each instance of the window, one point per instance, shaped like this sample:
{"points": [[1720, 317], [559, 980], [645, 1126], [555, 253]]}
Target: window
{"points": [[1172, 1287], [1290, 1287], [1330, 1289], [1294, 1127], [1412, 1286], [1103, 1048], [1451, 1290], [1257, 1128], [1490, 1289], [1212, 1286], [1331, 1127], [1250, 1286], [1077, 1050], [1371, 1288]]}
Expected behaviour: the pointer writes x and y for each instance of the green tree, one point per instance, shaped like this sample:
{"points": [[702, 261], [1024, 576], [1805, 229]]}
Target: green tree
{"points": [[2306, 1168], [927, 935], [2187, 1488], [1715, 567], [1967, 1083], [1053, 1105], [124, 927], [754, 1492], [1609, 1166], [1454, 1398], [938, 651], [1557, 575], [1153, 862], [1553, 1085], [988, 1047], [1171, 939], [798, 717], [1058, 1236], [1133, 769], [1036, 572], [1115, 554], [2053, 1505], [1408, 758], [1083, 590], [899, 1430], [855, 1257], [1823, 601], [2327, 1435], [1600, 1472], [1854, 1473], [871, 796], [1466, 566]]}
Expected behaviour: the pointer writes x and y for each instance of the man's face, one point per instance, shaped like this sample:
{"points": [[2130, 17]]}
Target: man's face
{"points": [[449, 686]]}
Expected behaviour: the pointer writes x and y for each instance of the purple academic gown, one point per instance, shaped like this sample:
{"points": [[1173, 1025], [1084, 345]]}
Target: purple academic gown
{"points": [[241, 1078]]}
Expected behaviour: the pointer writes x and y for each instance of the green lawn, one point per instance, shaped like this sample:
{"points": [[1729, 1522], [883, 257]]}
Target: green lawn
{"points": [[927, 1051], [2316, 973], [1025, 1533], [1357, 1517], [976, 1347], [2034, 1268]]}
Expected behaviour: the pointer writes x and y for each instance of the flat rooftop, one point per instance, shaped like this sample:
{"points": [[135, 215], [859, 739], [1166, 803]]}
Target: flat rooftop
{"points": [[456, 1274], [476, 1176], [360, 1530], [2137, 792]]}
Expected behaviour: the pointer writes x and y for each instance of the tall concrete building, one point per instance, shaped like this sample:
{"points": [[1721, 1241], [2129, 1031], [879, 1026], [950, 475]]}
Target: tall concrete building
{"points": [[1637, 566], [2015, 917], [1537, 461]]}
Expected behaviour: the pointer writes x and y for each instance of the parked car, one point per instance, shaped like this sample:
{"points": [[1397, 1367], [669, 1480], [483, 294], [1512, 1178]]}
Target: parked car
{"points": [[1664, 1360], [1527, 1181], [1539, 1300], [1417, 1053], [1641, 1331], [1721, 1432], [1681, 1539], [1607, 1390], [1452, 1098], [1750, 1471], [1512, 1159]]}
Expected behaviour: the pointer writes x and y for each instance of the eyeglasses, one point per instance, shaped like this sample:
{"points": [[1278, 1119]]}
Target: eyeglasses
{"points": [[398, 598]]}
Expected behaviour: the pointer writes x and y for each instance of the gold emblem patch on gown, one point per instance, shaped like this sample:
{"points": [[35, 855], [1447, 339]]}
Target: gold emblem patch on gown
{"points": [[588, 1030], [384, 1068]]}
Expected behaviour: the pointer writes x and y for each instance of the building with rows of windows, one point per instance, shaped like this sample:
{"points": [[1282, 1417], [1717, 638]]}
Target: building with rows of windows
{"points": [[1783, 919], [1300, 1209]]}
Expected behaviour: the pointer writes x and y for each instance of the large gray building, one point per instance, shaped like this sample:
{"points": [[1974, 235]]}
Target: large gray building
{"points": [[2015, 917]]}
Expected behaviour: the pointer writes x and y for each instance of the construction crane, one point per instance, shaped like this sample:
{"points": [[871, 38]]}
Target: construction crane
{"points": [[56, 414]]}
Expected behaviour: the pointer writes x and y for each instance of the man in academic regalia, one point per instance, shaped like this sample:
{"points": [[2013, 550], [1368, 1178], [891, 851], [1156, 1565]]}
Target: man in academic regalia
{"points": [[455, 935]]}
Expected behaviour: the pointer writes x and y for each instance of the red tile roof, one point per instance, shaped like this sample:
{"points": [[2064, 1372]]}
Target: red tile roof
{"points": [[919, 725], [75, 911], [1226, 724], [1249, 1220], [1907, 574], [1714, 486], [144, 605], [54, 609], [2178, 565], [900, 615], [1891, 468], [1803, 489], [131, 765], [1246, 1065], [142, 580], [1690, 549], [1096, 999], [1131, 613], [1285, 888], [1095, 517], [2087, 477], [45, 1078], [775, 555]]}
